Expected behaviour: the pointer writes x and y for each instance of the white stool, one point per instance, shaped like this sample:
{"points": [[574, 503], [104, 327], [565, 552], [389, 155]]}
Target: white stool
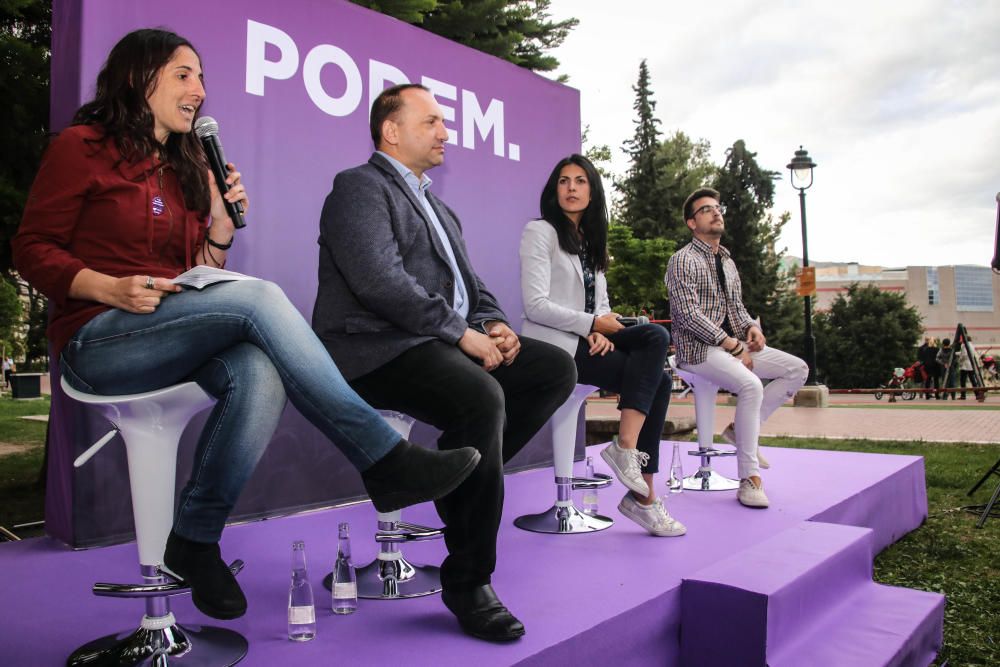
{"points": [[705, 479], [563, 517], [151, 424], [390, 576]]}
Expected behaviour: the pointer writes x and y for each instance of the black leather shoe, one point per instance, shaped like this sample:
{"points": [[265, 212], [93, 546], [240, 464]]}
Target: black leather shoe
{"points": [[409, 474], [214, 589], [482, 615]]}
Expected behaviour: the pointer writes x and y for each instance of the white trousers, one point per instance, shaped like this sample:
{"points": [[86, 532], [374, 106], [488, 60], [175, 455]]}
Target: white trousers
{"points": [[754, 402]]}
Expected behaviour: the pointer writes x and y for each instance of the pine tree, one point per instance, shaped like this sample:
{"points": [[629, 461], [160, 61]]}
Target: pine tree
{"points": [[641, 202], [519, 31], [747, 191]]}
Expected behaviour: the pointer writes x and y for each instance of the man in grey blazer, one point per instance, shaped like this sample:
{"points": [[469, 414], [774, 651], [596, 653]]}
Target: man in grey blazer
{"points": [[413, 328]]}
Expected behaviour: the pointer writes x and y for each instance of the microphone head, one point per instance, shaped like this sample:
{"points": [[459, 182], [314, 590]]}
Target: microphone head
{"points": [[206, 126], [998, 197]]}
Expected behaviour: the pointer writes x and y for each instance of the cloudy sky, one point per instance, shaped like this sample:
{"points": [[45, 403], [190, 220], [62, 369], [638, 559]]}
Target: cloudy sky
{"points": [[897, 102]]}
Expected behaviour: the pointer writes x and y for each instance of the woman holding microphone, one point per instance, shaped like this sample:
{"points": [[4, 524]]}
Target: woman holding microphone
{"points": [[123, 203]]}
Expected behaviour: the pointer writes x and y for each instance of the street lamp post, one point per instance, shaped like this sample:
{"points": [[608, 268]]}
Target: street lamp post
{"points": [[801, 168]]}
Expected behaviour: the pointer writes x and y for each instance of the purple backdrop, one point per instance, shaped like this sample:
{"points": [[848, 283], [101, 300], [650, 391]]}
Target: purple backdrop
{"points": [[290, 84]]}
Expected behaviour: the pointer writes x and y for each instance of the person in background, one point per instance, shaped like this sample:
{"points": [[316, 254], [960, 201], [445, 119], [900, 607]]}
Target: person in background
{"points": [[123, 203], [927, 356], [946, 364], [564, 256]]}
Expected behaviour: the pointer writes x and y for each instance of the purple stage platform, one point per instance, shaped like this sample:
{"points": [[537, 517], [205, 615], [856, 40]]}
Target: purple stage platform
{"points": [[783, 586]]}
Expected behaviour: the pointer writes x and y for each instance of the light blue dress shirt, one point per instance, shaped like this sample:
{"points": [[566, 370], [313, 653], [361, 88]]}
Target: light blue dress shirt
{"points": [[419, 187]]}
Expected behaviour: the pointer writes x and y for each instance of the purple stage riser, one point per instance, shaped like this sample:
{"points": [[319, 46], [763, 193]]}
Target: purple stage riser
{"points": [[809, 581], [612, 597], [876, 626]]}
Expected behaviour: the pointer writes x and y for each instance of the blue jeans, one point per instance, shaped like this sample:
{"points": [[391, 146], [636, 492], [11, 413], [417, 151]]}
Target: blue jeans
{"points": [[245, 344]]}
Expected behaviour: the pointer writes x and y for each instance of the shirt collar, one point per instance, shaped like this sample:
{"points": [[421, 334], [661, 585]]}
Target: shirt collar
{"points": [[419, 186], [707, 249]]}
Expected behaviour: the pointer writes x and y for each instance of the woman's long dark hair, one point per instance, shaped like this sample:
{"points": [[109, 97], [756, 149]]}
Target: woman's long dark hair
{"points": [[593, 222], [120, 108]]}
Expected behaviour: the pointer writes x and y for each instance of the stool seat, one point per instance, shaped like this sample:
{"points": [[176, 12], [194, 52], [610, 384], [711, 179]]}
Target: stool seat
{"points": [[151, 424], [564, 518], [705, 392]]}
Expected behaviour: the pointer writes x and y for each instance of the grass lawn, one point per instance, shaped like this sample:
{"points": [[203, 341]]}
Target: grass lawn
{"points": [[948, 554], [21, 496]]}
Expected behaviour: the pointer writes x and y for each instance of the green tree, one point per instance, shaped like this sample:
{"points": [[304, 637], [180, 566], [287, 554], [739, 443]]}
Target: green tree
{"points": [[635, 274], [865, 334], [600, 156], [10, 317], [640, 204], [519, 31], [25, 33], [683, 165]]}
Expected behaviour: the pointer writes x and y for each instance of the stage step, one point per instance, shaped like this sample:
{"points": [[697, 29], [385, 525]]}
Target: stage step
{"points": [[805, 597]]}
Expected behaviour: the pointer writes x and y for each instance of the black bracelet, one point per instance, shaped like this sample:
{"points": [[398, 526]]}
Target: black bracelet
{"points": [[220, 246]]}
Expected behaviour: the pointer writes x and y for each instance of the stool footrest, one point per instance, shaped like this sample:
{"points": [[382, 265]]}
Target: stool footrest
{"points": [[709, 453], [171, 586], [412, 532], [598, 481]]}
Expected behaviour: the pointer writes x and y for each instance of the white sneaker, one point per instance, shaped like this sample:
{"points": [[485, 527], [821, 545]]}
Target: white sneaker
{"points": [[654, 518], [752, 495], [627, 466], [729, 435]]}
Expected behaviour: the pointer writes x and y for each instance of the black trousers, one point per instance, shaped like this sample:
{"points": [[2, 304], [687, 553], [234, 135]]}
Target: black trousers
{"points": [[496, 412], [634, 371]]}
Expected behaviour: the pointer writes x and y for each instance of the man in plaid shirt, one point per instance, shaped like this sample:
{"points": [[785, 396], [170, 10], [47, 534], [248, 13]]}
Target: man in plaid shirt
{"points": [[718, 340]]}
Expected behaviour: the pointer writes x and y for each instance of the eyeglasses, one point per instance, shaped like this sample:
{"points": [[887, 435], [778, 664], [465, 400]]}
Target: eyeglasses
{"points": [[709, 208]]}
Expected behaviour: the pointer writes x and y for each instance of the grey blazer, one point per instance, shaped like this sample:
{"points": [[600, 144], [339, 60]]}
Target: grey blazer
{"points": [[553, 292], [385, 284]]}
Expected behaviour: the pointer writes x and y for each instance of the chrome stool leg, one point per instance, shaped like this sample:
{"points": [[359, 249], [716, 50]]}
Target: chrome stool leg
{"points": [[705, 479], [390, 576], [564, 518], [151, 425]]}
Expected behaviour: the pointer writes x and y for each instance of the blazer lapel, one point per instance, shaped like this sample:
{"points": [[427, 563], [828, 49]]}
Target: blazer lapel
{"points": [[403, 187]]}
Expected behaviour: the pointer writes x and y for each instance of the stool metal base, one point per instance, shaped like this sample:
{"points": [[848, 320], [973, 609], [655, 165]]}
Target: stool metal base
{"points": [[394, 579], [563, 521], [709, 480], [173, 645]]}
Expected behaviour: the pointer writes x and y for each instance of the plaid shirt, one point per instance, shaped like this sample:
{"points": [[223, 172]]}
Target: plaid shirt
{"points": [[697, 304]]}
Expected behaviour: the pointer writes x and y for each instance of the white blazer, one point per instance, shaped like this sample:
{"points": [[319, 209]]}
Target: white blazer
{"points": [[553, 292]]}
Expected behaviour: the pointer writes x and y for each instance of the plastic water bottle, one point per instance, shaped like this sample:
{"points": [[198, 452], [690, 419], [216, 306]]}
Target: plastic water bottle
{"points": [[590, 495], [676, 470], [301, 606], [345, 582]]}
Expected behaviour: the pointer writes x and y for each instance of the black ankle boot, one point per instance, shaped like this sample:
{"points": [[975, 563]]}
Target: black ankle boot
{"points": [[214, 589], [408, 475]]}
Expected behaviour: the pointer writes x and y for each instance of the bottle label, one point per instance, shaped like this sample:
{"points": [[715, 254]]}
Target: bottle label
{"points": [[346, 590], [302, 615]]}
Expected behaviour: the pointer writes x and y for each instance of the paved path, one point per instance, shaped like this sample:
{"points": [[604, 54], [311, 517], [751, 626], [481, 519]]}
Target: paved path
{"points": [[856, 417]]}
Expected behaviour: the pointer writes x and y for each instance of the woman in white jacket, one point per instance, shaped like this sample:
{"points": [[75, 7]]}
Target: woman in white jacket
{"points": [[564, 256]]}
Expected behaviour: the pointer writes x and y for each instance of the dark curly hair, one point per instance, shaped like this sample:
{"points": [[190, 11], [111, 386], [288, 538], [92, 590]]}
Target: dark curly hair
{"points": [[120, 108]]}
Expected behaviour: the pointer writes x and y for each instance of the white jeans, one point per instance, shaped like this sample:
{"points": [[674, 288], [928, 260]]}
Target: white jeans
{"points": [[755, 402]]}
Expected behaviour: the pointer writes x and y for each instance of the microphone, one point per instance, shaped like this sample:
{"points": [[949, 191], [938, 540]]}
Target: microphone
{"points": [[996, 240], [632, 321], [207, 129]]}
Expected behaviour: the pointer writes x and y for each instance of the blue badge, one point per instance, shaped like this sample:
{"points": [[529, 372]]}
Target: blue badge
{"points": [[157, 205]]}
